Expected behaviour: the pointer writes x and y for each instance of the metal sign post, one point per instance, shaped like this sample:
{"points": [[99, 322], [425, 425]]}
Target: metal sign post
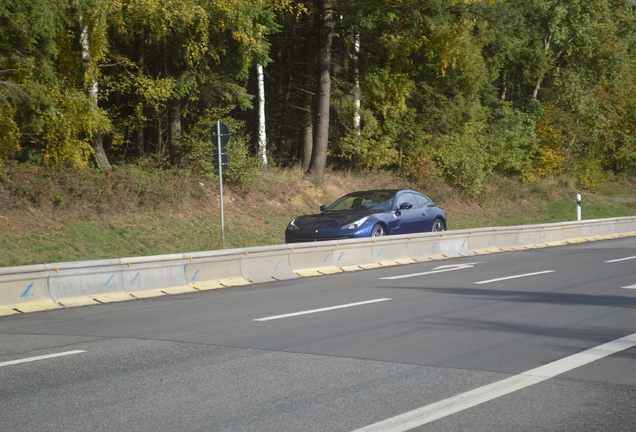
{"points": [[222, 134]]}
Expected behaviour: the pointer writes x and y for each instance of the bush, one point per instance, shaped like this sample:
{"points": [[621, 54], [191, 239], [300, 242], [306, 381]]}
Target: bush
{"points": [[243, 167], [512, 142], [421, 170], [463, 160]]}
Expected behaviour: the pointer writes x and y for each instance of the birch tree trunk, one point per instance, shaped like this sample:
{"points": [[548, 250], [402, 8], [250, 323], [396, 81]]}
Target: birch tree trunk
{"points": [[356, 79], [321, 131], [93, 93], [262, 133], [546, 47]]}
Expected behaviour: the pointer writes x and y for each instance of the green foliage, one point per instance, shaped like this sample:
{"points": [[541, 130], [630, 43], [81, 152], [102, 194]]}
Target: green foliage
{"points": [[590, 173], [463, 159], [68, 128], [512, 143], [370, 151], [243, 166], [549, 158], [9, 133], [372, 148]]}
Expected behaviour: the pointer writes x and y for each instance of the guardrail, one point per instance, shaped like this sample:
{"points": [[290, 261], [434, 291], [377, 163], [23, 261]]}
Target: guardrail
{"points": [[50, 286]]}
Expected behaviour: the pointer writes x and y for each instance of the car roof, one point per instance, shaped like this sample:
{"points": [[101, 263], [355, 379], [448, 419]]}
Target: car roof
{"points": [[393, 191]]}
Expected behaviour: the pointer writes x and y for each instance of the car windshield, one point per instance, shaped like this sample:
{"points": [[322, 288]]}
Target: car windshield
{"points": [[377, 201]]}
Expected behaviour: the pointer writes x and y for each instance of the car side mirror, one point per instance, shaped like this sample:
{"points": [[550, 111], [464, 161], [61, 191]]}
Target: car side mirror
{"points": [[323, 207], [406, 206]]}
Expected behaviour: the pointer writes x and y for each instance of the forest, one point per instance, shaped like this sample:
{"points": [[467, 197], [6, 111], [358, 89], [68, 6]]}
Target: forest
{"points": [[453, 89]]}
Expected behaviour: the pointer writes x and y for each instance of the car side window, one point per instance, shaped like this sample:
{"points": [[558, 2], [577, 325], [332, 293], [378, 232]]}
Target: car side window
{"points": [[406, 198], [422, 201]]}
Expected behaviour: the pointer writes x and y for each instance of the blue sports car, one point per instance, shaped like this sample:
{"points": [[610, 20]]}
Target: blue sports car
{"points": [[370, 213]]}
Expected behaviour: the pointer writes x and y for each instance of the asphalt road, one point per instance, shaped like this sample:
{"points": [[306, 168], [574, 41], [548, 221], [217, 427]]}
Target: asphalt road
{"points": [[539, 340]]}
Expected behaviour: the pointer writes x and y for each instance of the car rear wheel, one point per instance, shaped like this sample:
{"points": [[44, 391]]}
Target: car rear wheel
{"points": [[438, 225], [378, 231]]}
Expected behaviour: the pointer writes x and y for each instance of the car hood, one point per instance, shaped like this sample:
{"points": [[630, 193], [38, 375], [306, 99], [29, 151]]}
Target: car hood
{"points": [[330, 220]]}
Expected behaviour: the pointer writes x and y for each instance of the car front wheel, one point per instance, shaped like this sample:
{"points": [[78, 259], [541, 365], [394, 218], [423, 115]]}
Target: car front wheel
{"points": [[438, 226], [378, 231]]}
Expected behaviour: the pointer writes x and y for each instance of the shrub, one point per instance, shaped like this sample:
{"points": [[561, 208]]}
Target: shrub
{"points": [[463, 160], [243, 167]]}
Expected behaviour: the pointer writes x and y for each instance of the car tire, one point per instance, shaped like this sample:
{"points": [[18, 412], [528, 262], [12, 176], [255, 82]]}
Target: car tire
{"points": [[378, 231], [438, 226]]}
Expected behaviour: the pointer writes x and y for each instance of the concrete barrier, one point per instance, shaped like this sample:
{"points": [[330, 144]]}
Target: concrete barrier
{"points": [[607, 227], [25, 289], [515, 239], [86, 282], [551, 235], [482, 241], [591, 229], [531, 237], [266, 264], [454, 244], [572, 233], [313, 259], [424, 247], [153, 276], [391, 250], [40, 287], [626, 225], [215, 269], [354, 254]]}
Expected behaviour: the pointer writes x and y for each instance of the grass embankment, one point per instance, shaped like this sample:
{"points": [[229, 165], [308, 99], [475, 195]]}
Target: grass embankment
{"points": [[51, 216]]}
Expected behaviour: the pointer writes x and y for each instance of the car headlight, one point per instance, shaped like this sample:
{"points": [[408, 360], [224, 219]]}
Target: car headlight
{"points": [[357, 224], [292, 225]]}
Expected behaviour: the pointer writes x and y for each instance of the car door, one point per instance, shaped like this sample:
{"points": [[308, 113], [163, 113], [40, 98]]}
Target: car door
{"points": [[426, 215], [407, 220]]}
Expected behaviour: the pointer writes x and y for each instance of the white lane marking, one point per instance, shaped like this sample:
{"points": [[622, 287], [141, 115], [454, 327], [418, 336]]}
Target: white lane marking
{"points": [[630, 287], [322, 309], [514, 277], [440, 269], [621, 259], [42, 357], [469, 399]]}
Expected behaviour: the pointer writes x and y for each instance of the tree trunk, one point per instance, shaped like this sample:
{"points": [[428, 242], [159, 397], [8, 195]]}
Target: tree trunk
{"points": [[262, 134], [140, 142], [93, 93], [175, 142], [308, 136], [321, 131], [308, 120], [356, 79], [535, 93], [139, 138], [504, 88], [546, 46]]}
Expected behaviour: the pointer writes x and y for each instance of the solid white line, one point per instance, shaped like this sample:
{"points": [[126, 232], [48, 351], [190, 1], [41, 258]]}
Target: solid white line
{"points": [[630, 287], [621, 259], [43, 357], [514, 277], [469, 399], [322, 310]]}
